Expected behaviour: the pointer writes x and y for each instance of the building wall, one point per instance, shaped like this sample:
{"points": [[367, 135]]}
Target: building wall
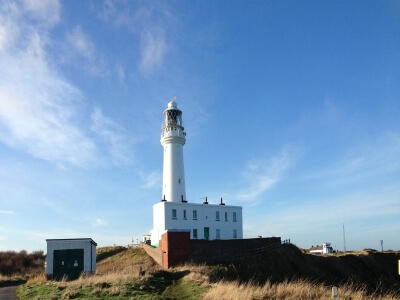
{"points": [[88, 246], [168, 215], [155, 253], [222, 250], [175, 247]]}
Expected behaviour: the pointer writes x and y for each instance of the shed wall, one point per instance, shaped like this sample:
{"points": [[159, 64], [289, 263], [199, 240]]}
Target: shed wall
{"points": [[88, 246]]}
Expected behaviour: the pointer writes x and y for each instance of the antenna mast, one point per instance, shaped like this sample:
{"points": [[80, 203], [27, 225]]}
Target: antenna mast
{"points": [[344, 239]]}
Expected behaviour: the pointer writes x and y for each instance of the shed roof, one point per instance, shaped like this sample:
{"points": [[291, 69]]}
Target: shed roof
{"points": [[70, 240]]}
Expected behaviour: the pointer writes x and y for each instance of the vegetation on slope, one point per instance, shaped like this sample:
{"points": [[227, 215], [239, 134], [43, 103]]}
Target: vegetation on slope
{"points": [[18, 267], [285, 273]]}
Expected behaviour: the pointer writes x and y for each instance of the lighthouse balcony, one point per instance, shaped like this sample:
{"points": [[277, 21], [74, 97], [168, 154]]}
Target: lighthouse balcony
{"points": [[173, 132]]}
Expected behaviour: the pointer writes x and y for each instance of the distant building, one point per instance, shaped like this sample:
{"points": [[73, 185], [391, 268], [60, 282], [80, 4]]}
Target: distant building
{"points": [[146, 238], [324, 249], [204, 220], [70, 258]]}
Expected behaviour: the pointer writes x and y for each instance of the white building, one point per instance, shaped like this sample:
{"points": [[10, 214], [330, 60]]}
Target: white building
{"points": [[205, 221], [324, 249], [70, 257]]}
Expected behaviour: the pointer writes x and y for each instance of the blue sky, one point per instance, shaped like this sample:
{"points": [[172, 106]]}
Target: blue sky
{"points": [[291, 110]]}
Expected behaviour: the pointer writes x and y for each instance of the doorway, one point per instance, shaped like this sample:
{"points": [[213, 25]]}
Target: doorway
{"points": [[68, 263], [206, 233]]}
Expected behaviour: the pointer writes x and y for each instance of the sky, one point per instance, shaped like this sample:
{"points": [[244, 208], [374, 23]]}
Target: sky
{"points": [[291, 109]]}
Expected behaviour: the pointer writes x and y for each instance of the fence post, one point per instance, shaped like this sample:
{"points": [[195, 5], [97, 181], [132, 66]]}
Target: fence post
{"points": [[334, 293]]}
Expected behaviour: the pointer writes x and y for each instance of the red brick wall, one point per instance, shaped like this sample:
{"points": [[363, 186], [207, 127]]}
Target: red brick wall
{"points": [[175, 247]]}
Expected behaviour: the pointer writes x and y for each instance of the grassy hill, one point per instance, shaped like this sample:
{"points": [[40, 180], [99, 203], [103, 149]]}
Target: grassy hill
{"points": [[284, 273]]}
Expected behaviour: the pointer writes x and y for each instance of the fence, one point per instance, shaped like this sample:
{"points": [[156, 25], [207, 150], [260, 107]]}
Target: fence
{"points": [[243, 249]]}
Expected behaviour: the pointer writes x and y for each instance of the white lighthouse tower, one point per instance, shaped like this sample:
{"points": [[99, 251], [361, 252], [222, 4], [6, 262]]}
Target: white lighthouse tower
{"points": [[173, 139], [206, 220]]}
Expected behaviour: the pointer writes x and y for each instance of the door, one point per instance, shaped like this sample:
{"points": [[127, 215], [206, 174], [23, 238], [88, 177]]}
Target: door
{"points": [[206, 233], [67, 263]]}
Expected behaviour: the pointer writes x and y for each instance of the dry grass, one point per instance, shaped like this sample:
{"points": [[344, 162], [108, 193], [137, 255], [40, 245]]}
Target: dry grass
{"points": [[298, 289], [118, 277]]}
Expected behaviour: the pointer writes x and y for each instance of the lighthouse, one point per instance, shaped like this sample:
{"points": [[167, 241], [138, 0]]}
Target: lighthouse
{"points": [[173, 137], [208, 220]]}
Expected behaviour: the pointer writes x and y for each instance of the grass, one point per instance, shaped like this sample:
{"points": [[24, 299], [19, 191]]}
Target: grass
{"points": [[118, 277], [12, 280], [297, 289]]}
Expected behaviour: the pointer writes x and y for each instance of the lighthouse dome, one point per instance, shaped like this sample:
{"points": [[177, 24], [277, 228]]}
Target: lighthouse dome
{"points": [[172, 104]]}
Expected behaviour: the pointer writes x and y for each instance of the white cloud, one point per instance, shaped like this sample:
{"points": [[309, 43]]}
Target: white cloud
{"points": [[261, 175], [148, 22], [37, 110], [41, 113], [80, 43], [151, 180], [81, 52], [46, 11], [321, 216], [153, 48], [6, 212], [372, 159], [112, 135], [99, 222], [120, 72]]}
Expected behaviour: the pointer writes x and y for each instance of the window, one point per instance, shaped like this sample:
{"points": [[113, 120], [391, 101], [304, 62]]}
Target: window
{"points": [[217, 234], [217, 216], [226, 216], [234, 216], [235, 233], [174, 214], [195, 233], [184, 214], [195, 215]]}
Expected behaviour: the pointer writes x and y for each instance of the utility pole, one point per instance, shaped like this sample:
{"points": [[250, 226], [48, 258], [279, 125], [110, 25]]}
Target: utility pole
{"points": [[344, 239], [382, 245]]}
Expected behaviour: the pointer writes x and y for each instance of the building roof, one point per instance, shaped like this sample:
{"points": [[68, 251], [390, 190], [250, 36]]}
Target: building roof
{"points": [[71, 240]]}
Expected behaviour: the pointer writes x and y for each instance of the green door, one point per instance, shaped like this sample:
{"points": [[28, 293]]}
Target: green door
{"points": [[67, 263], [206, 233]]}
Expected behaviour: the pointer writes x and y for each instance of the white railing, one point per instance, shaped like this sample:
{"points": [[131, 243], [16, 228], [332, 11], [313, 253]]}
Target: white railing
{"points": [[174, 132]]}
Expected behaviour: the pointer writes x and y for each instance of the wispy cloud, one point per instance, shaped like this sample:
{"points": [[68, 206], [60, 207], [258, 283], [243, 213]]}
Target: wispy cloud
{"points": [[37, 110], [151, 180], [99, 223], [6, 212], [112, 135], [41, 113], [147, 22], [46, 11], [372, 159], [153, 48], [261, 175], [80, 51], [320, 216]]}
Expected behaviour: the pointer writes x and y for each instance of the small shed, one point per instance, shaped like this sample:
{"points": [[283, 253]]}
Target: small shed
{"points": [[70, 257]]}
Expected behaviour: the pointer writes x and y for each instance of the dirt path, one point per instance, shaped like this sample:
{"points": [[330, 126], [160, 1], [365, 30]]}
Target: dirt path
{"points": [[8, 293]]}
